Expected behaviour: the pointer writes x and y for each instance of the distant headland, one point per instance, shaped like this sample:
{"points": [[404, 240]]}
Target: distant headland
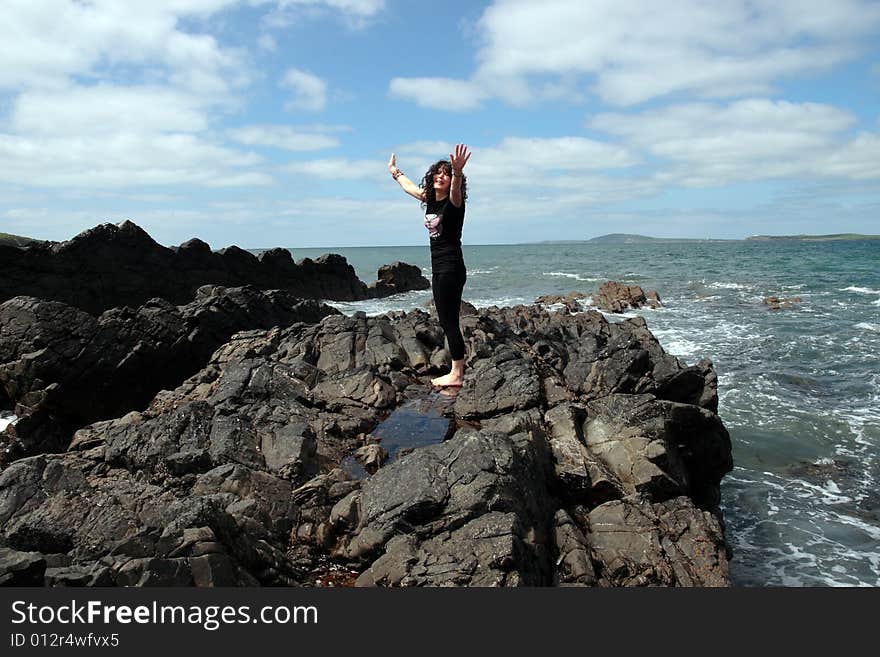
{"points": [[814, 238], [15, 240], [627, 238]]}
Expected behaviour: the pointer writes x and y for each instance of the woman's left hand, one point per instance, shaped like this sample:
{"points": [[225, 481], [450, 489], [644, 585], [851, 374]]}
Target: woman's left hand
{"points": [[459, 158]]}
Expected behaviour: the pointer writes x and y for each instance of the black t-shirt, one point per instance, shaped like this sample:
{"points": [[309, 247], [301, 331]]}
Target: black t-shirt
{"points": [[444, 222]]}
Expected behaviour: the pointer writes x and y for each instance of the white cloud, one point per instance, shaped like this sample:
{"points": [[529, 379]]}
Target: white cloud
{"points": [[43, 43], [629, 52], [285, 137], [310, 91], [530, 155], [355, 14], [107, 109], [707, 144], [112, 136], [537, 178], [859, 159], [267, 42], [438, 93], [358, 7], [122, 160], [341, 169]]}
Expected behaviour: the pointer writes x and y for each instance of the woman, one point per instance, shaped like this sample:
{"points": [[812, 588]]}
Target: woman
{"points": [[443, 192]]}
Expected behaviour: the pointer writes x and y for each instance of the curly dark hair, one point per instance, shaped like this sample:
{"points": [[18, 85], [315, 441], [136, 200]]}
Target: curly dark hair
{"points": [[428, 181]]}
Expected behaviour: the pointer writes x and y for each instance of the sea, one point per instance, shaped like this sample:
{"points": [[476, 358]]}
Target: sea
{"points": [[799, 387]]}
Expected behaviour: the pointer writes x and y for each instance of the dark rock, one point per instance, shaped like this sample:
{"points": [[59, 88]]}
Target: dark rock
{"points": [[64, 368], [21, 568], [212, 570], [398, 277], [463, 513], [579, 454], [667, 544], [121, 265], [95, 574], [574, 566]]}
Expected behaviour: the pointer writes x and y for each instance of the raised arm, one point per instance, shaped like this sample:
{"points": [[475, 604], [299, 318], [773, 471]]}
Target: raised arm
{"points": [[405, 183], [458, 160]]}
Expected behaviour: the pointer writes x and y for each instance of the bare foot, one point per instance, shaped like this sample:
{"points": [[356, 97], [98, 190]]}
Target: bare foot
{"points": [[448, 381]]}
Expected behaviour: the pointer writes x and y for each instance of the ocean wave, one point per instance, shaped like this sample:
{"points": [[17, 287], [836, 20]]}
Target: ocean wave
{"points": [[373, 307], [791, 532], [860, 290], [501, 302], [728, 286], [868, 326], [577, 277]]}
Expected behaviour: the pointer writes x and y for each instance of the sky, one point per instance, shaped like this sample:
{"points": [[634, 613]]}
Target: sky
{"points": [[265, 123]]}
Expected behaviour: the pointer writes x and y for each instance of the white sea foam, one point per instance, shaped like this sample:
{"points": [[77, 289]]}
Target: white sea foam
{"points": [[728, 286], [501, 302], [6, 420], [373, 307], [860, 290], [868, 326], [677, 345], [577, 277]]}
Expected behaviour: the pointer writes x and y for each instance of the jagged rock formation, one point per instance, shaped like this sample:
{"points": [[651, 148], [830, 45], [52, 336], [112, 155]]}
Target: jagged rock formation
{"points": [[63, 368], [583, 455], [121, 265]]}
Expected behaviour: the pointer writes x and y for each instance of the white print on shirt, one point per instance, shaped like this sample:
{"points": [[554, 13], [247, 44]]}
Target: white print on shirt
{"points": [[434, 224]]}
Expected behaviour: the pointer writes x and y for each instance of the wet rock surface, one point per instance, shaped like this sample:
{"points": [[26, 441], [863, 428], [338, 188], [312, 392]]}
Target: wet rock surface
{"points": [[121, 265], [576, 453]]}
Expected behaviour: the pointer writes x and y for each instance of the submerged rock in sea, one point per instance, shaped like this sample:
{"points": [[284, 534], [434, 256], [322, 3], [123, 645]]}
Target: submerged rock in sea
{"points": [[121, 265], [580, 454], [777, 303]]}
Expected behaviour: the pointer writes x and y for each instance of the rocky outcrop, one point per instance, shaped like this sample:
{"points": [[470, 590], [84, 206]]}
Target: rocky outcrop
{"points": [[63, 368], [779, 303], [121, 265], [398, 277], [614, 297], [570, 300], [580, 454]]}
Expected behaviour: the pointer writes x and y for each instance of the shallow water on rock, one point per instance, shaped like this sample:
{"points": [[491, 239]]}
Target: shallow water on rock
{"points": [[427, 418]]}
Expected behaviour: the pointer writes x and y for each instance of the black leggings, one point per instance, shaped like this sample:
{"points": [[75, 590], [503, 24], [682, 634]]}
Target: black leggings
{"points": [[447, 300]]}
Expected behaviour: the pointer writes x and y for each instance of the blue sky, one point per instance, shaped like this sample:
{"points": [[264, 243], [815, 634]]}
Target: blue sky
{"points": [[269, 122]]}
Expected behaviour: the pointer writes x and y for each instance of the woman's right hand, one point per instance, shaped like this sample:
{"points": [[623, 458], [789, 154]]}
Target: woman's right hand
{"points": [[392, 164]]}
